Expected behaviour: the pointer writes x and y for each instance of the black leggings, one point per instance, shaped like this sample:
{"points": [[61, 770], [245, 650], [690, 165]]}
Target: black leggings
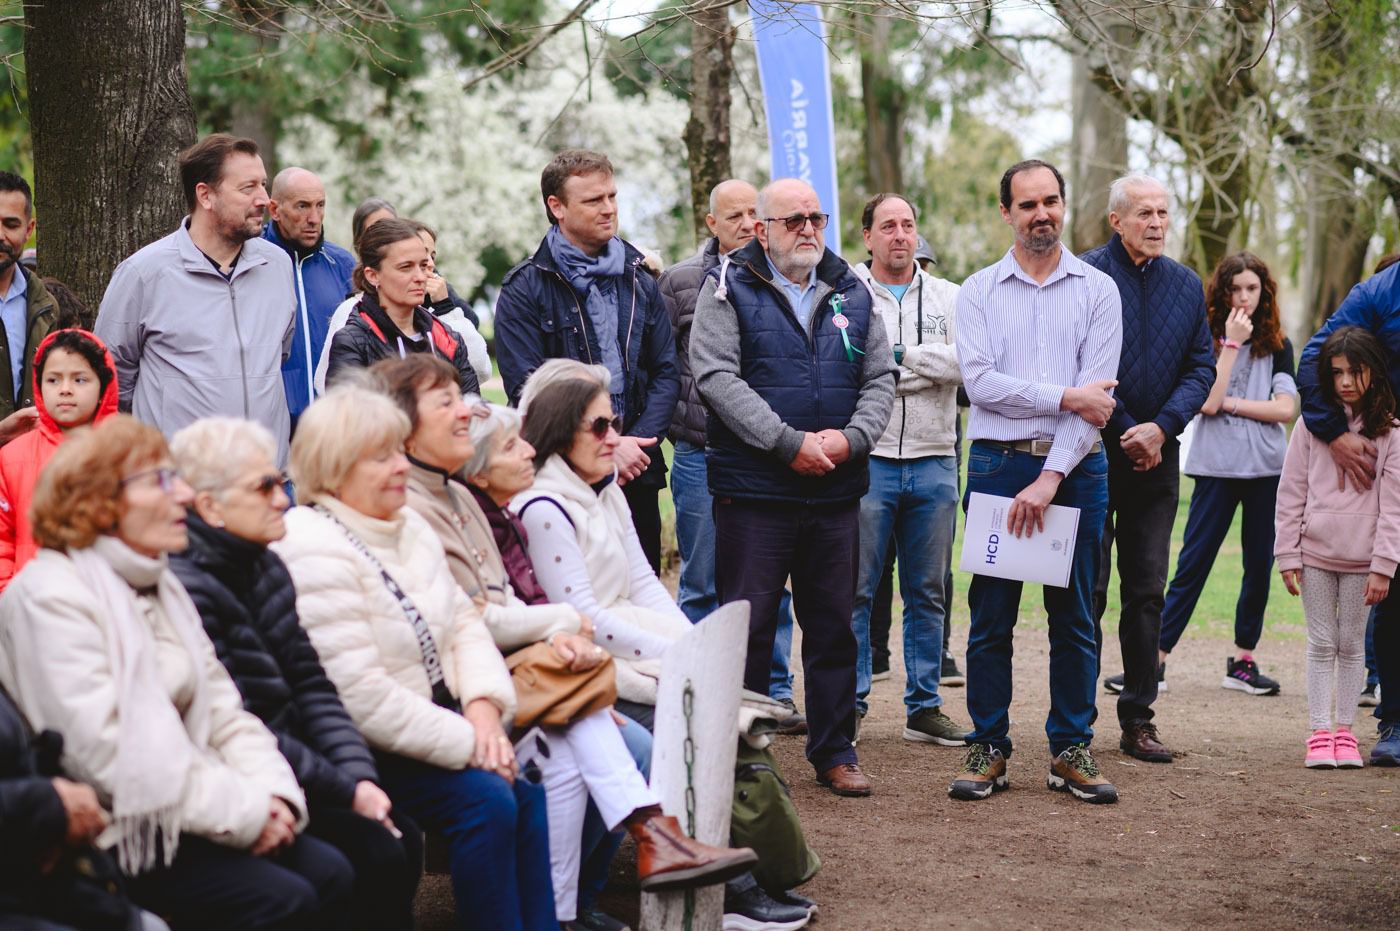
{"points": [[387, 869]]}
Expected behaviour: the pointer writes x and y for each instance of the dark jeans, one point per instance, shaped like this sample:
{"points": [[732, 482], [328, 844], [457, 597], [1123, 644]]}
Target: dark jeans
{"points": [[1372, 678], [881, 606], [1213, 504], [757, 547], [387, 869], [497, 837], [994, 603], [646, 517], [1387, 648], [208, 885], [1141, 511]]}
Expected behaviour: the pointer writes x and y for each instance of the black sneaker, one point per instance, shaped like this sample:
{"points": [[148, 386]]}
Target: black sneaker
{"points": [[748, 908], [1370, 696], [1243, 675], [951, 674], [590, 919], [792, 897], [795, 722], [879, 671], [1114, 684]]}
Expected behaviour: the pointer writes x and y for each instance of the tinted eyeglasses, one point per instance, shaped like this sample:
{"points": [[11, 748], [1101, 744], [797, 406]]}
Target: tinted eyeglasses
{"points": [[795, 222], [165, 477], [598, 426], [269, 483]]}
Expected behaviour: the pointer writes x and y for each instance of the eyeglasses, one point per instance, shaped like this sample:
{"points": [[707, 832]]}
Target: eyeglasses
{"points": [[165, 477], [269, 483], [795, 222], [598, 426]]}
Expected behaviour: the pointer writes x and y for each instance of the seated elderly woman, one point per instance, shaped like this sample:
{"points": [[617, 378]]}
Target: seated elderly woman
{"points": [[588, 758], [412, 659], [246, 600], [101, 643]]}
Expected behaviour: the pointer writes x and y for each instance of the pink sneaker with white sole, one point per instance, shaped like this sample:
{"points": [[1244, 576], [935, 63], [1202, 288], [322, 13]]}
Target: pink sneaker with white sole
{"points": [[1344, 749], [1322, 753]]}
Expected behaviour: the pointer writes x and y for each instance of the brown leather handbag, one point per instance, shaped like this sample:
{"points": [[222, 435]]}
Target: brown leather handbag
{"points": [[549, 694]]}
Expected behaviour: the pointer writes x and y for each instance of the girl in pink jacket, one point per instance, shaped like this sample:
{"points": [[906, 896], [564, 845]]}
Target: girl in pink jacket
{"points": [[1337, 543]]}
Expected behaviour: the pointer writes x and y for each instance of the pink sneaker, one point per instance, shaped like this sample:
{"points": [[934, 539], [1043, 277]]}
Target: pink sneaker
{"points": [[1344, 749], [1321, 753]]}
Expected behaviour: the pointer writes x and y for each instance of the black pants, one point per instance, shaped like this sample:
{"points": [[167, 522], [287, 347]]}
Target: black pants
{"points": [[646, 518], [208, 886], [757, 547], [881, 606], [1141, 511], [1386, 640], [387, 869]]}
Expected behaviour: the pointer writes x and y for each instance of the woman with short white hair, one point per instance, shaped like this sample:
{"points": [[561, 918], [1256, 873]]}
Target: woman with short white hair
{"points": [[247, 602], [412, 659]]}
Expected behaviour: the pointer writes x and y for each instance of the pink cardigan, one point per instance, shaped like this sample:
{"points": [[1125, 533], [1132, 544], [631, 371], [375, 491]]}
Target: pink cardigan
{"points": [[1319, 524]]}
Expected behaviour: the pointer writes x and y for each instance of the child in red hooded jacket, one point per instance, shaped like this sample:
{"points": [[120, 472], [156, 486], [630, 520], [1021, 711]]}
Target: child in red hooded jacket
{"points": [[75, 384]]}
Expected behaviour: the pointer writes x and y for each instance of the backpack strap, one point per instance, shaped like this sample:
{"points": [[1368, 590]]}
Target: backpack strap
{"points": [[546, 498]]}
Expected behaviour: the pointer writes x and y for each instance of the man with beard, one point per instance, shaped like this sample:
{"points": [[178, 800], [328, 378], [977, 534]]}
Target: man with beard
{"points": [[795, 368], [27, 310], [199, 322], [1038, 339], [320, 272]]}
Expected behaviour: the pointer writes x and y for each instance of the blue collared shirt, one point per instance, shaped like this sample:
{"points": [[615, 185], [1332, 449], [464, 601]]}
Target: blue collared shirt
{"points": [[14, 312], [800, 297], [1022, 342]]}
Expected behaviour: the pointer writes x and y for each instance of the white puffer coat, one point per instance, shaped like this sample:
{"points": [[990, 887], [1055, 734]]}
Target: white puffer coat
{"points": [[368, 645]]}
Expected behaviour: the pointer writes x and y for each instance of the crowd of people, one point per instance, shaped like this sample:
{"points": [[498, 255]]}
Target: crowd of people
{"points": [[271, 566]]}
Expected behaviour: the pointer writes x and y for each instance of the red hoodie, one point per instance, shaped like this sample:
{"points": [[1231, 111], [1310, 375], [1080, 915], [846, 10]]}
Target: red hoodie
{"points": [[22, 459]]}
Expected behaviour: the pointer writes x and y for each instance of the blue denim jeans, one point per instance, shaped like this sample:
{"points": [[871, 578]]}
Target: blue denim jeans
{"points": [[915, 502], [994, 603]]}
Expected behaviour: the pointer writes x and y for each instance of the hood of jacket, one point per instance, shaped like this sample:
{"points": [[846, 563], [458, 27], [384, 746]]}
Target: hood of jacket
{"points": [[106, 402]]}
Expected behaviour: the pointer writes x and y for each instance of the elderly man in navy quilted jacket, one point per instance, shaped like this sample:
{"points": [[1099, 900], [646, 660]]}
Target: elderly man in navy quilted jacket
{"points": [[1165, 372]]}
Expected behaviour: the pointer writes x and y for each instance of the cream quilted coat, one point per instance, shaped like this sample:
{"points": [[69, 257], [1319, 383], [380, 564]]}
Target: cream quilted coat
{"points": [[368, 645]]}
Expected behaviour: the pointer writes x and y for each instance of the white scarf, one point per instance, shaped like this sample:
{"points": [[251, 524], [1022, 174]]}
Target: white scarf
{"points": [[155, 747]]}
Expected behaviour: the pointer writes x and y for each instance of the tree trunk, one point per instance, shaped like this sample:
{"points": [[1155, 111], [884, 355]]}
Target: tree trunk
{"points": [[110, 111], [885, 102], [1099, 155], [707, 131], [1334, 252], [255, 115]]}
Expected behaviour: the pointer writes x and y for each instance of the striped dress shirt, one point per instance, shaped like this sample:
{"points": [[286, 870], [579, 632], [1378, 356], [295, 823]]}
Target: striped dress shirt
{"points": [[1021, 343]]}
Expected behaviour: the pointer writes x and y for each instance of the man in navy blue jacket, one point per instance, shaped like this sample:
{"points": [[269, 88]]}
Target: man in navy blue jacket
{"points": [[1164, 375], [586, 295], [1374, 304]]}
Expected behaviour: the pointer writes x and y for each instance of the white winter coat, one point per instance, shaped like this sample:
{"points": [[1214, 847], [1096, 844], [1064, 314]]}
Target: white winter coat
{"points": [[368, 645]]}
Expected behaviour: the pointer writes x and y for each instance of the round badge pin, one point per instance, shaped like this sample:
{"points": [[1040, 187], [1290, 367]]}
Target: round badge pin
{"points": [[841, 321]]}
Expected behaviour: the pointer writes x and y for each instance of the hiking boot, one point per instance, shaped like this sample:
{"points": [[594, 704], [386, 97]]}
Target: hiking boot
{"points": [[951, 674], [1140, 742], [846, 779], [1370, 696], [667, 859], [748, 908], [1243, 675], [1344, 743], [1322, 753], [932, 726], [1386, 752], [1074, 771], [795, 722], [983, 772], [1114, 684]]}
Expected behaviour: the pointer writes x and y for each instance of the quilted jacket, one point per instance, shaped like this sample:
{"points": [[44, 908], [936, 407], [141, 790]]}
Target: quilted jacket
{"points": [[680, 288], [1166, 368]]}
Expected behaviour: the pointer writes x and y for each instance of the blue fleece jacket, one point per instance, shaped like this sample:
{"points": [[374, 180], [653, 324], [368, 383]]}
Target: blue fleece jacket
{"points": [[1167, 367], [1374, 305]]}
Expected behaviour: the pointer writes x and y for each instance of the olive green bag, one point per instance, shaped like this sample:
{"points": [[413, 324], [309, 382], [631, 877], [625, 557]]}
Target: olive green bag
{"points": [[765, 819]]}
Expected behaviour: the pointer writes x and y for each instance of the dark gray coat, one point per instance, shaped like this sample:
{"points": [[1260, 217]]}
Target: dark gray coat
{"points": [[680, 288]]}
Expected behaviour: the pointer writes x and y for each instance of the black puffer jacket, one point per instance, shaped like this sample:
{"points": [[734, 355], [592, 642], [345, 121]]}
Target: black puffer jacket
{"points": [[680, 286], [248, 603], [369, 335], [32, 819]]}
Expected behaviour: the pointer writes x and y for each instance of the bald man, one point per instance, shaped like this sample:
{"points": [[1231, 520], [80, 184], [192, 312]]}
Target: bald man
{"points": [[297, 208], [798, 376]]}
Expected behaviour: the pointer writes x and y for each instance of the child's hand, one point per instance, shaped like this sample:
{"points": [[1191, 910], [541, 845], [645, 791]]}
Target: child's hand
{"points": [[1377, 587], [1293, 581]]}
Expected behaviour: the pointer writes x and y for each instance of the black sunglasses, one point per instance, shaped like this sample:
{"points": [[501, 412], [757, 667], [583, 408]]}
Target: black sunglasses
{"points": [[795, 222], [598, 426]]}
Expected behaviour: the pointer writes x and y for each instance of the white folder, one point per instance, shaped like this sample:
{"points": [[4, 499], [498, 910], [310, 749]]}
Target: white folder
{"points": [[989, 548]]}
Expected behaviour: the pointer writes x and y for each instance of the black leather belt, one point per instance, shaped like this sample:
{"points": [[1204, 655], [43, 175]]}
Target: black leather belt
{"points": [[1038, 447]]}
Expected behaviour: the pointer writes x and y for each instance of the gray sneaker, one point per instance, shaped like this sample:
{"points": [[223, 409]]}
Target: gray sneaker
{"points": [[932, 726]]}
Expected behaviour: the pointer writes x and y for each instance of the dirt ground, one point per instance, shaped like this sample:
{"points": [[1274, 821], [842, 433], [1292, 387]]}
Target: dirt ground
{"points": [[1235, 832]]}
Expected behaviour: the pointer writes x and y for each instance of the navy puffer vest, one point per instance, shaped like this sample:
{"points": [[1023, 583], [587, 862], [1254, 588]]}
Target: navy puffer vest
{"points": [[805, 377]]}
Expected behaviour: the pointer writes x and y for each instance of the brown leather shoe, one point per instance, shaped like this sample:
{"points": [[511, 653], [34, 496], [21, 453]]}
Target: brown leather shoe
{"points": [[846, 779], [667, 859], [1140, 742]]}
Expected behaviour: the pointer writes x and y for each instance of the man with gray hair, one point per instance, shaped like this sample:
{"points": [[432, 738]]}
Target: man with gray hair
{"points": [[796, 370], [1164, 375]]}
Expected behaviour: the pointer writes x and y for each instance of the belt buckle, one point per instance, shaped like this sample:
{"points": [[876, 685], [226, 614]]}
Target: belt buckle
{"points": [[1041, 447]]}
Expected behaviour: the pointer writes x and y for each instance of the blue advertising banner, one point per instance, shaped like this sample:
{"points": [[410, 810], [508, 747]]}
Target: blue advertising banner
{"points": [[793, 69]]}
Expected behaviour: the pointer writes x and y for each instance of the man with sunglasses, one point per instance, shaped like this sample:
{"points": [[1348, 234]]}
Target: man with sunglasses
{"points": [[796, 370], [585, 295]]}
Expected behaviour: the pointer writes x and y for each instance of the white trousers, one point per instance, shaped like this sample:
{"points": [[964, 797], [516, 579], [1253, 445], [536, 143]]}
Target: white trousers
{"points": [[587, 759]]}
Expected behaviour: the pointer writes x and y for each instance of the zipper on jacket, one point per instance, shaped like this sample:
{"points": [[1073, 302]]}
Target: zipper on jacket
{"points": [[305, 332], [242, 352], [631, 318]]}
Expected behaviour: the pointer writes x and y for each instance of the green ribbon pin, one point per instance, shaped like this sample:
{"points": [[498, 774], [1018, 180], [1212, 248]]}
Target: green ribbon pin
{"points": [[842, 322]]}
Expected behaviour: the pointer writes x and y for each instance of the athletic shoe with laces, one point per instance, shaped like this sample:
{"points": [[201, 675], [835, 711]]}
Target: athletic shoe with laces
{"points": [[1348, 755], [1074, 771], [1322, 752], [1243, 675], [951, 674], [932, 726], [1114, 684], [795, 722], [748, 908], [1386, 752], [1370, 696], [983, 772], [590, 919]]}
